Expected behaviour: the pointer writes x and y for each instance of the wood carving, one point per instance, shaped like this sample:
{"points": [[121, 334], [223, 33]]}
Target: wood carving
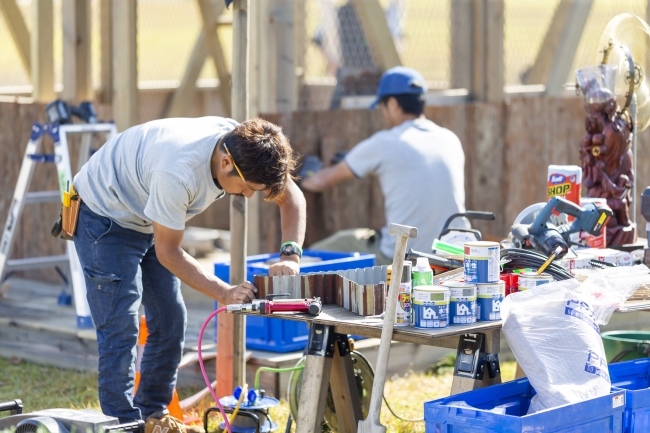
{"points": [[606, 156]]}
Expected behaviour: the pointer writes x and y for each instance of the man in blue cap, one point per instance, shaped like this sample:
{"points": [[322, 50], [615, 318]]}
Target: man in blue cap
{"points": [[420, 165]]}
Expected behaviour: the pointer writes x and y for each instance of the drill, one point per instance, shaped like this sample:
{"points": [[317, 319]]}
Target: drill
{"points": [[269, 305]]}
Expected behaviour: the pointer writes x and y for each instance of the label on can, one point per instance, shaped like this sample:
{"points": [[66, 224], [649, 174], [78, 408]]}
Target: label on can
{"points": [[530, 280], [403, 310], [430, 307], [482, 262], [422, 278], [489, 301], [462, 303]]}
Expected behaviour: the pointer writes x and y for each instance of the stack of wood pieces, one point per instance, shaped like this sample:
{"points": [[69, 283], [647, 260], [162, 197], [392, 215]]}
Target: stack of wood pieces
{"points": [[361, 291]]}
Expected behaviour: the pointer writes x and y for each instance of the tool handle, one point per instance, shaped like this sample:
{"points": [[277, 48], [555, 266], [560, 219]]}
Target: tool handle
{"points": [[403, 234], [136, 426], [16, 406]]}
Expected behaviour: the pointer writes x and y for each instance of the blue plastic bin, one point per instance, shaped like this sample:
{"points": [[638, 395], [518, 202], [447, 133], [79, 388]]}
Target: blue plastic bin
{"points": [[278, 335], [598, 415], [634, 378]]}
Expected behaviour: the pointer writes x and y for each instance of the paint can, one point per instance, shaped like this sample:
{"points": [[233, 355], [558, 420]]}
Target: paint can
{"points": [[430, 307], [530, 280], [511, 281], [403, 310], [462, 303], [482, 260], [489, 301]]}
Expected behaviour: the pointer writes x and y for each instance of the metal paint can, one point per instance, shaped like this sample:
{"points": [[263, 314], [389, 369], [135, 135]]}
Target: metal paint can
{"points": [[430, 307], [489, 301], [403, 310], [530, 280], [482, 262], [462, 303]]}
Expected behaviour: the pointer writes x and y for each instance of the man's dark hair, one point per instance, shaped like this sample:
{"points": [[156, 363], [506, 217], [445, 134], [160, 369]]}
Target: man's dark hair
{"points": [[408, 102], [263, 154]]}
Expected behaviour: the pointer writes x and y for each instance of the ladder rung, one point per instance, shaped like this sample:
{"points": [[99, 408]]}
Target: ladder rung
{"points": [[43, 197], [36, 263]]}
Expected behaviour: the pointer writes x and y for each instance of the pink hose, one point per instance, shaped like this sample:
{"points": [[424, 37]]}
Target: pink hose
{"points": [[205, 375]]}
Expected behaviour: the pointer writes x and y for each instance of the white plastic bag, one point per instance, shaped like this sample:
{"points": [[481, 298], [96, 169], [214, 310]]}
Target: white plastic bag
{"points": [[553, 332]]}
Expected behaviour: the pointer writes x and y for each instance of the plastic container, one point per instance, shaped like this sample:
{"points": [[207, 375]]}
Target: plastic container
{"points": [[634, 378], [422, 274], [279, 335], [512, 399], [616, 342]]}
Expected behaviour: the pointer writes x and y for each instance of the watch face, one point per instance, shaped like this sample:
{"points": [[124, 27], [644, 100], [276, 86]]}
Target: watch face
{"points": [[288, 249]]}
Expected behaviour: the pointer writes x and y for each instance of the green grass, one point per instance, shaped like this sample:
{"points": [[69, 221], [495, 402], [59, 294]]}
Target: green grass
{"points": [[43, 387]]}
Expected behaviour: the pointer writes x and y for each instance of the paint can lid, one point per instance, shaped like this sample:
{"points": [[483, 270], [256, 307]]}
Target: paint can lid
{"points": [[406, 272]]}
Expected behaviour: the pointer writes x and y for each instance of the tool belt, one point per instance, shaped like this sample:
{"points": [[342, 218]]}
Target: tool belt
{"points": [[66, 225]]}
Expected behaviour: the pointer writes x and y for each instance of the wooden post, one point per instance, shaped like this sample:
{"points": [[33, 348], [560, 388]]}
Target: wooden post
{"points": [[487, 52], [461, 44], [300, 46], [105, 94], [566, 50], [42, 51], [234, 326], [313, 393], [125, 64], [77, 76], [215, 50], [283, 17], [375, 27], [15, 22], [344, 392]]}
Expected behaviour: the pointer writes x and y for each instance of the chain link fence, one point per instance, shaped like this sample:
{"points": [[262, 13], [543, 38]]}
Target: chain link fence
{"points": [[336, 59]]}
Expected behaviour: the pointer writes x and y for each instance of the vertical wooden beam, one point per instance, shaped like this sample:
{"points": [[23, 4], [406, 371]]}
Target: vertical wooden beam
{"points": [[487, 52], [235, 325], [461, 44], [105, 94], [77, 76], [254, 47], [125, 64], [214, 49], [268, 59], [378, 36], [566, 50], [15, 22], [300, 46], [186, 91], [283, 17], [42, 51]]}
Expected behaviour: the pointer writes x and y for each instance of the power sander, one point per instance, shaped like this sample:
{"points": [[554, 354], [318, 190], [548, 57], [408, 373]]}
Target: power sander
{"points": [[546, 237]]}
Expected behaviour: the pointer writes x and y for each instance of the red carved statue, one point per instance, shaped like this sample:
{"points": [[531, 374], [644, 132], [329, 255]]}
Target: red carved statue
{"points": [[607, 165]]}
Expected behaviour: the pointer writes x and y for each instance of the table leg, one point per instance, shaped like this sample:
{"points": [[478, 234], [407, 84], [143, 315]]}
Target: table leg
{"points": [[344, 388], [477, 362], [315, 379]]}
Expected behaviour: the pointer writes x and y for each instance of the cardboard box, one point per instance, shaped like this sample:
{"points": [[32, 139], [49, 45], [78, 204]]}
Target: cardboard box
{"points": [[608, 255]]}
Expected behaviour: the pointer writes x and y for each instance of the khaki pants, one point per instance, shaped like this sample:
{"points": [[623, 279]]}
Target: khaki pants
{"points": [[354, 241]]}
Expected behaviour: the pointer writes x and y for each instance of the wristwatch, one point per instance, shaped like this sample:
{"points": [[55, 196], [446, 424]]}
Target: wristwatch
{"points": [[289, 248]]}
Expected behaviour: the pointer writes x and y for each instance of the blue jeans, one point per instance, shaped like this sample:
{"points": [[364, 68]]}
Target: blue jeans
{"points": [[110, 256]]}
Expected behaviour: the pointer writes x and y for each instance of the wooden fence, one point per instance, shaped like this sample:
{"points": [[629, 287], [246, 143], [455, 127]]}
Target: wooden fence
{"points": [[508, 147]]}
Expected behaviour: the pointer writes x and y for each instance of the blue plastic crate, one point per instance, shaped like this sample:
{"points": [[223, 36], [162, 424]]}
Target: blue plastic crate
{"points": [[598, 415], [634, 378], [279, 335]]}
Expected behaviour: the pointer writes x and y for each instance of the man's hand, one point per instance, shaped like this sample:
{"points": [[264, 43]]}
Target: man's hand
{"points": [[284, 267], [241, 294]]}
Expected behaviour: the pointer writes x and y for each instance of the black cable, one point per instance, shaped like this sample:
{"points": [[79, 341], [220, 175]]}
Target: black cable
{"points": [[520, 258], [399, 417]]}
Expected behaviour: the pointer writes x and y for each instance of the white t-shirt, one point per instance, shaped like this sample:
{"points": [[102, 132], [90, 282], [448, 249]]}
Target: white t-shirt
{"points": [[421, 170], [158, 171]]}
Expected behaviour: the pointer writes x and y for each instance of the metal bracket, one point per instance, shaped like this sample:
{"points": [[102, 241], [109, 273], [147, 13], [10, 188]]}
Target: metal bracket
{"points": [[321, 340], [471, 359]]}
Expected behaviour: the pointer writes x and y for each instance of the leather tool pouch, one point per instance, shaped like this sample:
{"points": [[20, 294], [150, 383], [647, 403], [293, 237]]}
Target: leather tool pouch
{"points": [[70, 221]]}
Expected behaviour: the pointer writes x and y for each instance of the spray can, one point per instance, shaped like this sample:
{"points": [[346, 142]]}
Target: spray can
{"points": [[403, 310], [422, 273]]}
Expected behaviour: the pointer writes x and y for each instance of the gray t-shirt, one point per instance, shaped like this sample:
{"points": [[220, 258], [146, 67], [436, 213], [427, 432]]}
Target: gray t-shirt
{"points": [[158, 171], [421, 170]]}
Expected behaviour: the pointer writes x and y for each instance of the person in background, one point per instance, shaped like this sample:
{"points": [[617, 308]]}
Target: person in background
{"points": [[420, 166]]}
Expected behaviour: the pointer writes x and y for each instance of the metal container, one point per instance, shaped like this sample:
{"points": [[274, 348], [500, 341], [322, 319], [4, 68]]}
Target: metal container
{"points": [[530, 280], [462, 303], [430, 307], [403, 310], [489, 301], [482, 262]]}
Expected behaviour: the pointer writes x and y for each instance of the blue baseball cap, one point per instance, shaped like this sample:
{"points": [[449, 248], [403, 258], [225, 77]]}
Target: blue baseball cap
{"points": [[398, 81]]}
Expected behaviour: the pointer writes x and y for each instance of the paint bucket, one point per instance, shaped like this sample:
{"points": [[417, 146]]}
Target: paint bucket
{"points": [[530, 280], [489, 301], [430, 307], [482, 262], [403, 310], [462, 303]]}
